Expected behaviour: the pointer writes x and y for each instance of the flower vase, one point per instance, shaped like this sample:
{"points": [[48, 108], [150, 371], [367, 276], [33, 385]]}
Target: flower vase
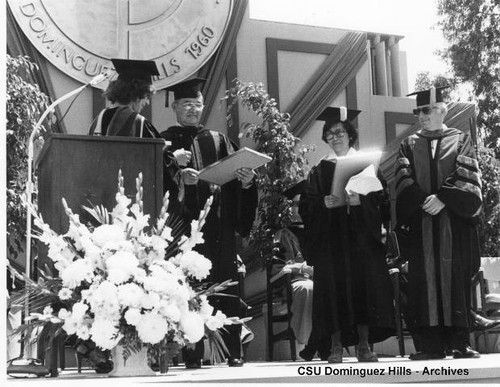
{"points": [[163, 366], [135, 365]]}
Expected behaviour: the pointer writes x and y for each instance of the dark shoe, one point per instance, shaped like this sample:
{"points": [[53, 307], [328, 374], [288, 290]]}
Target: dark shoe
{"points": [[427, 356], [466, 353], [481, 324], [324, 349], [193, 364], [307, 353], [99, 359], [365, 355], [234, 362]]}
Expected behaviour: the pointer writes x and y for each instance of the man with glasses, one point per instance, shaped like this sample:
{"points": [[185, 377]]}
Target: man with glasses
{"points": [[438, 191], [232, 210]]}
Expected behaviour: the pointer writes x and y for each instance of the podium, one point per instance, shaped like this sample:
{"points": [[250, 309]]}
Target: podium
{"points": [[84, 170]]}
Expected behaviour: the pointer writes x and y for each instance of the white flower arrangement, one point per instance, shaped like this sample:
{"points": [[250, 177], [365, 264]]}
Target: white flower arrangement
{"points": [[116, 283]]}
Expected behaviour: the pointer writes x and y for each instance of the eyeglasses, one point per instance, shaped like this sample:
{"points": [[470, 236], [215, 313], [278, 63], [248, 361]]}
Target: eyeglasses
{"points": [[189, 105], [426, 110], [338, 133]]}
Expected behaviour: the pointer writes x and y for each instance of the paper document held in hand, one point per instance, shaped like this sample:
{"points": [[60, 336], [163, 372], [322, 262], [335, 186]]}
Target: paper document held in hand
{"points": [[364, 182], [348, 166], [222, 171]]}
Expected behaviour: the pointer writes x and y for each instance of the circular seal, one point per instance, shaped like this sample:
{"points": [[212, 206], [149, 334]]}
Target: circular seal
{"points": [[80, 38]]}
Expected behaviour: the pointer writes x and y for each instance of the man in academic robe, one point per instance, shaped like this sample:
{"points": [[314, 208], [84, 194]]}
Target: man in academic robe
{"points": [[438, 190], [232, 210]]}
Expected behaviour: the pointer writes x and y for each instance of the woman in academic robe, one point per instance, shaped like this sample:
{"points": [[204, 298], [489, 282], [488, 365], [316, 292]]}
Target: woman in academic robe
{"points": [[128, 95], [352, 301]]}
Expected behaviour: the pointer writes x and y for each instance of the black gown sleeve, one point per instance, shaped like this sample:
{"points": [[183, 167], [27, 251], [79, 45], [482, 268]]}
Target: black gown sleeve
{"points": [[314, 214], [409, 195], [246, 209], [247, 198]]}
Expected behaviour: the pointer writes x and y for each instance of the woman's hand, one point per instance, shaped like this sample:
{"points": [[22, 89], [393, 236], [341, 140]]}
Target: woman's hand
{"points": [[352, 198], [330, 201], [189, 176]]}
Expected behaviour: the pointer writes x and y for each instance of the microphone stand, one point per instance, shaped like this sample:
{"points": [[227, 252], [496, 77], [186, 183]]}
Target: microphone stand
{"points": [[29, 182]]}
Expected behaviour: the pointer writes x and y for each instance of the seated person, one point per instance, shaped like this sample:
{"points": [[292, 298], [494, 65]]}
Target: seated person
{"points": [[302, 284], [302, 274]]}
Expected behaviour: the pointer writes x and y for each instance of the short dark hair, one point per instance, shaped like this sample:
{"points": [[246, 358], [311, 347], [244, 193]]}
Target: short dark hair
{"points": [[348, 127], [125, 90]]}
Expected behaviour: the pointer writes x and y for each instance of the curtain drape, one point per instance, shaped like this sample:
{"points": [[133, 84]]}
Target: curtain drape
{"points": [[215, 70], [328, 81], [18, 44]]}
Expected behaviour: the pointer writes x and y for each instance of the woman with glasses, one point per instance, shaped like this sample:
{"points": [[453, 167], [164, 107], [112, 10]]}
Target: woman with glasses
{"points": [[352, 300]]}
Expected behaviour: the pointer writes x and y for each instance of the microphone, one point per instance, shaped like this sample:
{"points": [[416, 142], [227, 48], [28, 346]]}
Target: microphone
{"points": [[98, 79]]}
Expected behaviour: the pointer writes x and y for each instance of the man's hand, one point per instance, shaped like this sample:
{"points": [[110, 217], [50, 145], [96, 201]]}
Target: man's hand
{"points": [[189, 176], [182, 156], [330, 201], [432, 205], [245, 175]]}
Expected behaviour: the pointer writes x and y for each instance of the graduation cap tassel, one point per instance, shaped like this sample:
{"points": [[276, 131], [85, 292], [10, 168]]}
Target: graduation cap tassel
{"points": [[343, 113], [432, 97], [167, 94]]}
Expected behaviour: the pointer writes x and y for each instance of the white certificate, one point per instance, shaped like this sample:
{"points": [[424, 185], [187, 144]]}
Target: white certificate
{"points": [[348, 166]]}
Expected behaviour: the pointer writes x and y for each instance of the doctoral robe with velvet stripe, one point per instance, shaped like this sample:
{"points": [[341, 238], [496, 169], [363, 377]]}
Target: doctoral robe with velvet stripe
{"points": [[233, 208], [445, 247], [351, 279]]}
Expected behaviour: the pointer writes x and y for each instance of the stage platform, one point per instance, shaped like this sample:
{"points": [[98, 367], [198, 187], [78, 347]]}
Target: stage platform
{"points": [[388, 370]]}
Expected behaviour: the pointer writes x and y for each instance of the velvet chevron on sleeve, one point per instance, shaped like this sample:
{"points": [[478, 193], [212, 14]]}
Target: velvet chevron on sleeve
{"points": [[461, 191]]}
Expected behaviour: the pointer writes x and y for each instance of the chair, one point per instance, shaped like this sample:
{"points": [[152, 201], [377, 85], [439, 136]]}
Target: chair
{"points": [[279, 294], [486, 295], [395, 262]]}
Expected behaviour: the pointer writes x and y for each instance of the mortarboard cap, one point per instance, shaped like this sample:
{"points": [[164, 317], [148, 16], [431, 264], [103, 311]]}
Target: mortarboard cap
{"points": [[295, 190], [429, 96], [133, 68], [338, 114], [186, 89]]}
